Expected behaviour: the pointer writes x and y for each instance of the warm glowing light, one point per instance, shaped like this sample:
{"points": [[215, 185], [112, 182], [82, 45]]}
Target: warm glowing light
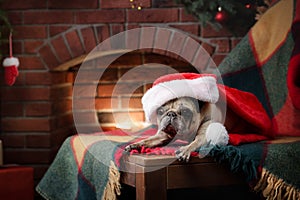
{"points": [[133, 5], [133, 126]]}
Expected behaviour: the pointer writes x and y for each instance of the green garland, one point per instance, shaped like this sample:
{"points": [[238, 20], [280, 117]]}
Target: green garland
{"points": [[240, 13]]}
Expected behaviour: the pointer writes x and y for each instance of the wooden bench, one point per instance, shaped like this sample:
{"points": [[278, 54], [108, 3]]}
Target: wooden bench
{"points": [[153, 175]]}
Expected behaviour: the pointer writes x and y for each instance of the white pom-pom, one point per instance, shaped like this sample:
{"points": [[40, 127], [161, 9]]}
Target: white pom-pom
{"points": [[11, 61], [217, 134]]}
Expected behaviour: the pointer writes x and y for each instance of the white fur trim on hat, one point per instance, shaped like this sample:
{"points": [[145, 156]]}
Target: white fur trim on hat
{"points": [[217, 134], [11, 61], [203, 88]]}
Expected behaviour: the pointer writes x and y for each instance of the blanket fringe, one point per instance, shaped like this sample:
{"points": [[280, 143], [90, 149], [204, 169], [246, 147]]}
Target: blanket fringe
{"points": [[113, 187], [273, 187], [237, 161]]}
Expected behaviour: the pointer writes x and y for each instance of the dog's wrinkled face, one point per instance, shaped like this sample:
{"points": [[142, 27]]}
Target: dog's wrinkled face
{"points": [[181, 117]]}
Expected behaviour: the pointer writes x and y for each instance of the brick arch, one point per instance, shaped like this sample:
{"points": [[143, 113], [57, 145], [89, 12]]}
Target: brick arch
{"points": [[69, 48], [72, 43]]}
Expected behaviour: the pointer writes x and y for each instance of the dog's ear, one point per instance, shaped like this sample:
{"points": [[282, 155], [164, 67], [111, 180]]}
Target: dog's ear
{"points": [[200, 105]]}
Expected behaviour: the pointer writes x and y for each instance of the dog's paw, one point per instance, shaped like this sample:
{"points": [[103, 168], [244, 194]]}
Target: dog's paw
{"points": [[129, 147], [183, 153], [133, 146]]}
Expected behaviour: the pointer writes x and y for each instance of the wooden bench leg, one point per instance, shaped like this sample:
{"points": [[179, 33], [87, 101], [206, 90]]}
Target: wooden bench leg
{"points": [[151, 185]]}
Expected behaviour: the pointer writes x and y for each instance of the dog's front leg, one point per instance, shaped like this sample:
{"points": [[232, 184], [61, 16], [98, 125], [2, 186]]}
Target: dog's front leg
{"points": [[184, 152], [159, 139]]}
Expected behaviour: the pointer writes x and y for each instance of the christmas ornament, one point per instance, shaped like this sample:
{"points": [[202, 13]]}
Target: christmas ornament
{"points": [[237, 16], [248, 6], [10, 65], [221, 15]]}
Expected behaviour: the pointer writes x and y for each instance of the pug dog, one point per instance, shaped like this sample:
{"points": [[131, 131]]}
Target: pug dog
{"points": [[184, 118]]}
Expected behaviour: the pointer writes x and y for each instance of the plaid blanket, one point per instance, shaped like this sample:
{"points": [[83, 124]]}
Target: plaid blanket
{"points": [[88, 166], [280, 176], [270, 167], [267, 63]]}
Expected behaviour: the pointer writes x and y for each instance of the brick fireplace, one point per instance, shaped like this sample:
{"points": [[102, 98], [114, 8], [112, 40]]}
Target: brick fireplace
{"points": [[51, 39]]}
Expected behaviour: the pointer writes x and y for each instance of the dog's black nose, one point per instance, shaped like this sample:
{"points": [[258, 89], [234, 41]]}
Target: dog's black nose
{"points": [[171, 114]]}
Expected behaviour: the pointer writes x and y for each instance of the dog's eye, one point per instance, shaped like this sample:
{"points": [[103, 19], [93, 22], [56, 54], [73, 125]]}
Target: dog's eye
{"points": [[185, 112], [160, 111]]}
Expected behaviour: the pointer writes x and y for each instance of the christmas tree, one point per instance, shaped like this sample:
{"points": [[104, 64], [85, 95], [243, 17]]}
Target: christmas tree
{"points": [[236, 15]]}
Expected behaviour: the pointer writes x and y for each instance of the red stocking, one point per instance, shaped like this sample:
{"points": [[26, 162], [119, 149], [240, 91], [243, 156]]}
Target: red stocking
{"points": [[11, 70], [11, 65]]}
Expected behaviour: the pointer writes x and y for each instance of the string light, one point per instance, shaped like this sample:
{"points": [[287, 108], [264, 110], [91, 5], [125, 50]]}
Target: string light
{"points": [[135, 5]]}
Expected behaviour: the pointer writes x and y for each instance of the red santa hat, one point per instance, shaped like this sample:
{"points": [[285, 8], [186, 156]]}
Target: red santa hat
{"points": [[199, 86], [256, 124]]}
